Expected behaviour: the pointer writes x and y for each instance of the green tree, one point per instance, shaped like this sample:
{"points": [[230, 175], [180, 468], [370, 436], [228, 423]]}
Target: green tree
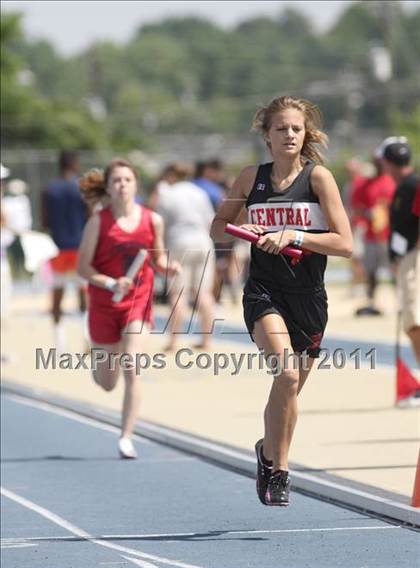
{"points": [[408, 124], [10, 33], [189, 75], [30, 118]]}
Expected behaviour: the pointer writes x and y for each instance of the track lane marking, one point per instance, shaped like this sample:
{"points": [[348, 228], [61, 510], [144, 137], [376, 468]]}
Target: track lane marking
{"points": [[138, 562], [325, 490], [63, 523], [107, 427], [16, 545], [200, 534], [72, 415]]}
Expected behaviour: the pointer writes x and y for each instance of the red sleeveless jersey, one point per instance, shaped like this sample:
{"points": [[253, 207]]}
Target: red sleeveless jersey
{"points": [[115, 251]]}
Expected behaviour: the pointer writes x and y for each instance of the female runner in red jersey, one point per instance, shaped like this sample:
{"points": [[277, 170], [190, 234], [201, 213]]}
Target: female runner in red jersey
{"points": [[111, 241]]}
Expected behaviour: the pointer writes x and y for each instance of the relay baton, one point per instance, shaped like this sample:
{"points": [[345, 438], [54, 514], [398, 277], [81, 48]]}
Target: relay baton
{"points": [[132, 271], [253, 238]]}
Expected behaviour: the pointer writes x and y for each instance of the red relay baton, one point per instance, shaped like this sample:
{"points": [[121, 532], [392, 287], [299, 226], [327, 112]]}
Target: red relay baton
{"points": [[253, 238]]}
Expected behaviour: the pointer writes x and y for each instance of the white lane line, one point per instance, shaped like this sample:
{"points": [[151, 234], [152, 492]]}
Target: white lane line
{"points": [[340, 493], [262, 531], [215, 531], [72, 415], [327, 529], [138, 562], [16, 545], [319, 488], [165, 460], [86, 536], [36, 539], [198, 442], [112, 563]]}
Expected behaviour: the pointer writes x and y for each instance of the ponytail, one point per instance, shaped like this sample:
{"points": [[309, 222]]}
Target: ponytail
{"points": [[92, 186]]}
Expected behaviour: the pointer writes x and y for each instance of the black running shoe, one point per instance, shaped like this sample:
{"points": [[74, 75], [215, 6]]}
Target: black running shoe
{"points": [[263, 472], [278, 489]]}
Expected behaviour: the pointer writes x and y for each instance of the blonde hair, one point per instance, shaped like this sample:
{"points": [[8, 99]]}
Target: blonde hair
{"points": [[314, 136], [93, 183]]}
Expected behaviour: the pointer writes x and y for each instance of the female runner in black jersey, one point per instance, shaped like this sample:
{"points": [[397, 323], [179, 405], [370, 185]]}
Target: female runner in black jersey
{"points": [[293, 200]]}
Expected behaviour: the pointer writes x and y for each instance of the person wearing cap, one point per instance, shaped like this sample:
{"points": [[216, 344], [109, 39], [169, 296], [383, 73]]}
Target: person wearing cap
{"points": [[404, 249]]}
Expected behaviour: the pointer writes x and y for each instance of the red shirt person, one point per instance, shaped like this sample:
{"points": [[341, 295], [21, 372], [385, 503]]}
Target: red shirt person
{"points": [[115, 251], [111, 241], [371, 202]]}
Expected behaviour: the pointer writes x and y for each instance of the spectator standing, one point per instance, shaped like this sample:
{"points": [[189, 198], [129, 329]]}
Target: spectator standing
{"points": [[355, 178], [6, 240], [211, 178], [64, 216], [404, 248], [188, 214], [17, 209], [371, 201]]}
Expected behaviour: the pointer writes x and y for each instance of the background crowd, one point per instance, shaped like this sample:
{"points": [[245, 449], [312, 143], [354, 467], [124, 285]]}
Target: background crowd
{"points": [[187, 195]]}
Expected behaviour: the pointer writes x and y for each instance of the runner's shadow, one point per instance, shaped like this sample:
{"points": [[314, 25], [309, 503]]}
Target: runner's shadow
{"points": [[204, 536]]}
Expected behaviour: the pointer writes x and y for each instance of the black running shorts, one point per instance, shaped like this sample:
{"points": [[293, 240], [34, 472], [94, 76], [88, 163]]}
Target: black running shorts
{"points": [[304, 313]]}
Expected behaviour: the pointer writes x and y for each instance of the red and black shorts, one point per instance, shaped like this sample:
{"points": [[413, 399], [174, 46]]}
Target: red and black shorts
{"points": [[304, 313]]}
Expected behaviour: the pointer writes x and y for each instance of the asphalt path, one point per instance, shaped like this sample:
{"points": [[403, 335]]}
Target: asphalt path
{"points": [[69, 501]]}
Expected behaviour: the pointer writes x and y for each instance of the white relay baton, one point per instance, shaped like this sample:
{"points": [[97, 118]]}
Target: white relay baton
{"points": [[132, 271]]}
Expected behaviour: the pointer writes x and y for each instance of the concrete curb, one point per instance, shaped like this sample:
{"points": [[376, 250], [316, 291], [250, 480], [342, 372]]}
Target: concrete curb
{"points": [[237, 459], [244, 463]]}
